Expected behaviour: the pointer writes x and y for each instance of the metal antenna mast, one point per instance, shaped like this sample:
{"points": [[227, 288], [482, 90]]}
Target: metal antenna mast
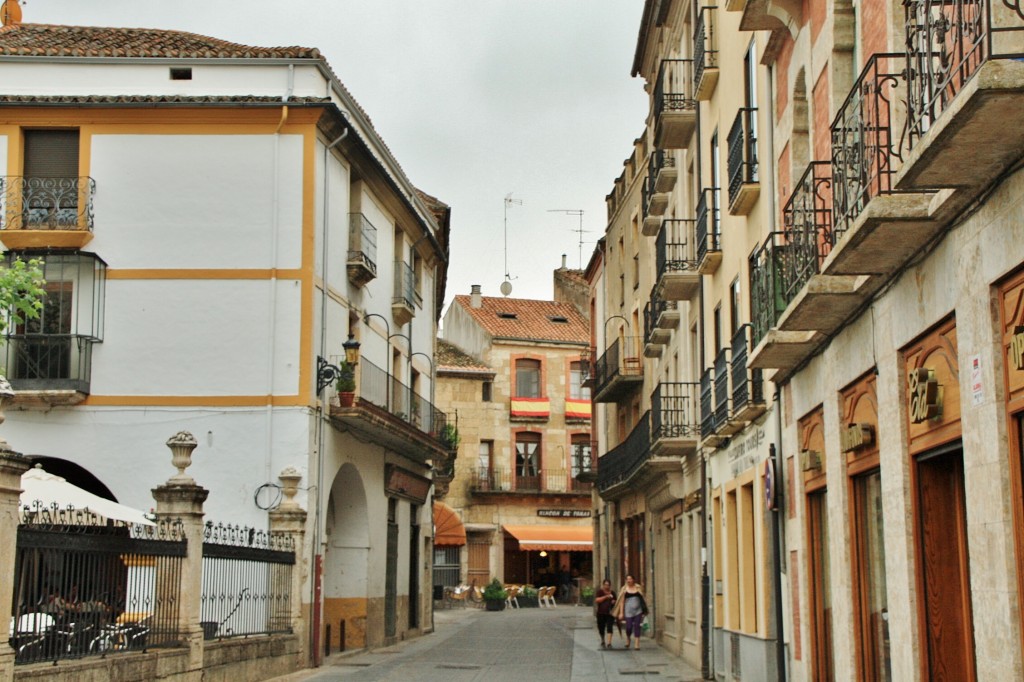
{"points": [[506, 286], [579, 230]]}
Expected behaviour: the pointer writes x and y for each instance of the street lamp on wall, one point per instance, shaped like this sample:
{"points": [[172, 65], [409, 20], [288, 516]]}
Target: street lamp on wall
{"points": [[326, 373]]}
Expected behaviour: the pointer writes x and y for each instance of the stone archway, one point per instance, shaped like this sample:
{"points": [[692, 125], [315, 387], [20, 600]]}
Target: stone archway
{"points": [[74, 474], [346, 557]]}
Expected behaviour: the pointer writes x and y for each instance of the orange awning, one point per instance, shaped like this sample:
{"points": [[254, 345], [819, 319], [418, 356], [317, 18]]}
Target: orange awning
{"points": [[554, 538], [448, 529]]}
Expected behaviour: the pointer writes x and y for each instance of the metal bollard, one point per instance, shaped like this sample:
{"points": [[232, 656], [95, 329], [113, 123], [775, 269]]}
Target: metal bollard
{"points": [[341, 635]]}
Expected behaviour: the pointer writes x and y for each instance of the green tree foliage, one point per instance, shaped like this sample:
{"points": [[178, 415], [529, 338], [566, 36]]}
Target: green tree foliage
{"points": [[21, 291]]}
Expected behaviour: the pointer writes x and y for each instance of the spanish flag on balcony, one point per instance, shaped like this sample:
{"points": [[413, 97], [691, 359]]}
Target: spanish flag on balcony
{"points": [[538, 408], [577, 409]]}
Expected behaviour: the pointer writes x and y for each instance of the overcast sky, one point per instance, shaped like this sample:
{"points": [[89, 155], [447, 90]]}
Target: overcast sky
{"points": [[476, 99]]}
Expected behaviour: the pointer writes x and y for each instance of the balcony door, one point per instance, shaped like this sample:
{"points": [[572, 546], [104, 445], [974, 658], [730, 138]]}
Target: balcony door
{"points": [[50, 183], [528, 461]]}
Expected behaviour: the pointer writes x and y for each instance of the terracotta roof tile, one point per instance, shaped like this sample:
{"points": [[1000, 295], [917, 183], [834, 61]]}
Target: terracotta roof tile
{"points": [[527, 319], [452, 358], [48, 40], [157, 99]]}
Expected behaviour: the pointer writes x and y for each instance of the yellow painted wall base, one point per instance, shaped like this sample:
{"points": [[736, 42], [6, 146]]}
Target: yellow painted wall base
{"points": [[353, 612]]}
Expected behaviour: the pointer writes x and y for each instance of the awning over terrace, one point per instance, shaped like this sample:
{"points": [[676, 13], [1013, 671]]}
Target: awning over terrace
{"points": [[554, 538]]}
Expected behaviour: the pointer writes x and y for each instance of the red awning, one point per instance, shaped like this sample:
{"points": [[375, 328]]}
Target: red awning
{"points": [[554, 538], [448, 529]]}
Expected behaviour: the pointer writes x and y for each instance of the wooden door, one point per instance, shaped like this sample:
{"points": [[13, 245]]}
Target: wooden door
{"points": [[479, 550], [820, 593], [946, 596], [391, 581]]}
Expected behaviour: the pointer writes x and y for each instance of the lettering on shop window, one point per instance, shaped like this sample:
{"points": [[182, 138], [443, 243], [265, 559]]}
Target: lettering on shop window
{"points": [[925, 396], [1017, 348]]}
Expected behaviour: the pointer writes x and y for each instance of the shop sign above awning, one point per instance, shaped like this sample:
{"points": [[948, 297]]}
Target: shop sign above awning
{"points": [[448, 529], [554, 538]]}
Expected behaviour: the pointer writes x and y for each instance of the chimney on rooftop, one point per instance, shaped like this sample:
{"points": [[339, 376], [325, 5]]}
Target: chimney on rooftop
{"points": [[563, 261], [475, 299]]}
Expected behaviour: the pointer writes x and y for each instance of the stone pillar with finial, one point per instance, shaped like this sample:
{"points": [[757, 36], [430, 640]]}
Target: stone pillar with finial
{"points": [[288, 523], [181, 500], [12, 466]]}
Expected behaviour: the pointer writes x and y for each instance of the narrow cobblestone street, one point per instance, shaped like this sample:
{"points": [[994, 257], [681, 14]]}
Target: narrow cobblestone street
{"points": [[470, 645]]}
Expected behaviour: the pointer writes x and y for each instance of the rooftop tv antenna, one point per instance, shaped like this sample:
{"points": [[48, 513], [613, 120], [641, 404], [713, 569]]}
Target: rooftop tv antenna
{"points": [[506, 286], [579, 230]]}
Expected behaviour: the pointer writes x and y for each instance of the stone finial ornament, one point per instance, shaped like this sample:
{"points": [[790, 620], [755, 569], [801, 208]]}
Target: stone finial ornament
{"points": [[182, 444], [289, 478]]}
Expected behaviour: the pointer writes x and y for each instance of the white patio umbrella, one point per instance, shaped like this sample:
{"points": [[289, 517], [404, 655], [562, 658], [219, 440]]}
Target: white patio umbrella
{"points": [[39, 486]]}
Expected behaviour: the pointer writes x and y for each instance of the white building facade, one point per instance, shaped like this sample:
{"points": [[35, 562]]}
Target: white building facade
{"points": [[214, 219]]}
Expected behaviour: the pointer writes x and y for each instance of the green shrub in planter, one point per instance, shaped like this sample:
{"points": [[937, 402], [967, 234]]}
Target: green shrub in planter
{"points": [[494, 595], [528, 597], [587, 595]]}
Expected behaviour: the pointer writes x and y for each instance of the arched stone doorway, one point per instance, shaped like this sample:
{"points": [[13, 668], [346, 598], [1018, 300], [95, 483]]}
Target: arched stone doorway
{"points": [[346, 558], [74, 474]]}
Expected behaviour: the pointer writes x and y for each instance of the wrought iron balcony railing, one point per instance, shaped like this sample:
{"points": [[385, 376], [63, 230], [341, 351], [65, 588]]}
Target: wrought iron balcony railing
{"points": [[673, 91], [742, 160], [584, 462], [622, 361], [675, 411], [526, 479], [619, 463], [747, 384], [723, 399], [46, 203], [362, 249], [767, 300], [47, 362], [707, 396], [675, 250], [405, 285], [658, 162], [947, 42], [866, 152], [377, 387], [705, 55], [708, 226], [657, 326]]}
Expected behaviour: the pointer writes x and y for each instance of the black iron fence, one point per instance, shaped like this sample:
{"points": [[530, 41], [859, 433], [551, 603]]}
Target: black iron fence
{"points": [[88, 586], [707, 401], [673, 91], [379, 388], [767, 300], [46, 203], [707, 223], [362, 242], [675, 250], [947, 42], [526, 479], [247, 581], [621, 359], [38, 362], [705, 55], [742, 160], [674, 410], [405, 285], [866, 153], [747, 384], [619, 463], [723, 399]]}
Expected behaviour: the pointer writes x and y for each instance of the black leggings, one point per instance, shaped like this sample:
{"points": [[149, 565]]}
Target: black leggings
{"points": [[605, 623]]}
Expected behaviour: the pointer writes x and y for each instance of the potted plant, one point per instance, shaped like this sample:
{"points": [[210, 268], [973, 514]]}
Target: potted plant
{"points": [[346, 384], [494, 596], [528, 597], [450, 437], [587, 595]]}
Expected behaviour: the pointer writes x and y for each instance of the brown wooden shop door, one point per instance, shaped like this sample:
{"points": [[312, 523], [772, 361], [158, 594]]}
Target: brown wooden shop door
{"points": [[479, 561], [943, 543]]}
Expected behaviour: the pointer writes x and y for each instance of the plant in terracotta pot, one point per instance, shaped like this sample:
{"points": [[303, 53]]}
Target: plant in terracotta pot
{"points": [[494, 595], [346, 384]]}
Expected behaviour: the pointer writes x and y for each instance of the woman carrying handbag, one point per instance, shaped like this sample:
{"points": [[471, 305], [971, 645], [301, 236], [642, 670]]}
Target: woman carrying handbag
{"points": [[631, 606]]}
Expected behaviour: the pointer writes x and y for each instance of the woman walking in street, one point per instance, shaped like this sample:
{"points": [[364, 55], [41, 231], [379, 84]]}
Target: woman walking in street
{"points": [[632, 606], [604, 602]]}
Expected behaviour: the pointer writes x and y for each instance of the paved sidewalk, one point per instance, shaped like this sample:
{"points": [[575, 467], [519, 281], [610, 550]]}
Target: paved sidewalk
{"points": [[470, 645]]}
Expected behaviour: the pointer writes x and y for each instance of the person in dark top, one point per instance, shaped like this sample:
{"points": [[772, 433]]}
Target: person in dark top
{"points": [[604, 602]]}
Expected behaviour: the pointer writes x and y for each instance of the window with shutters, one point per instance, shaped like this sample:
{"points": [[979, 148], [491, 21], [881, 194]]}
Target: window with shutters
{"points": [[49, 194]]}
